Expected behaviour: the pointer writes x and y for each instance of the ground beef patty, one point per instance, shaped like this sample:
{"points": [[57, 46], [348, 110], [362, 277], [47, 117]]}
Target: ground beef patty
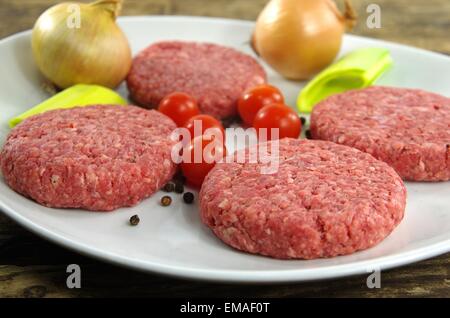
{"points": [[215, 75], [407, 128], [325, 200], [96, 158]]}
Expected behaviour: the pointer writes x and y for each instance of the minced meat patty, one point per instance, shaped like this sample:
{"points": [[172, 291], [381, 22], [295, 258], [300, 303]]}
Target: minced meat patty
{"points": [[407, 128], [325, 200], [216, 76], [96, 158]]}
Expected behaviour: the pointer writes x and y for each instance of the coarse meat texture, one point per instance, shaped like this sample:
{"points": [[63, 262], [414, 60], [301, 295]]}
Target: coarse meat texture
{"points": [[407, 128], [97, 158], [324, 200], [215, 75]]}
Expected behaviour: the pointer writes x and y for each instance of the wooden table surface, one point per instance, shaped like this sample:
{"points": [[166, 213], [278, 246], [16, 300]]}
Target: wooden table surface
{"points": [[32, 267]]}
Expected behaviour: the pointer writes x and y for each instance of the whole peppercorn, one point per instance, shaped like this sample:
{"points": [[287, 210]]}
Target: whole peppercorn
{"points": [[188, 197], [303, 120], [166, 200], [134, 220]]}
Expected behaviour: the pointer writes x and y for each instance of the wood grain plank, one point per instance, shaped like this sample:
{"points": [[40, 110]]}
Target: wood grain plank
{"points": [[109, 281]]}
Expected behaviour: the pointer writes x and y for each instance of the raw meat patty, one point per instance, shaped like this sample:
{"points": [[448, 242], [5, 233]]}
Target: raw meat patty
{"points": [[95, 158], [407, 128], [325, 200], [215, 75]]}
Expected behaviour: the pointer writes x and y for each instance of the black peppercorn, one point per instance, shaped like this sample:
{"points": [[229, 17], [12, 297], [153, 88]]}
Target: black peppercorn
{"points": [[134, 220], [188, 197], [303, 120]]}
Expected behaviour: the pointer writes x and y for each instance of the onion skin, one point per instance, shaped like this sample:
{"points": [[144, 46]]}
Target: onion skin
{"points": [[96, 53], [299, 38]]}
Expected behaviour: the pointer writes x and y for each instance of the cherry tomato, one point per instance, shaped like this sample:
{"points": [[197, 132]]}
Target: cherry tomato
{"points": [[202, 122], [255, 99], [199, 157], [278, 116], [179, 107]]}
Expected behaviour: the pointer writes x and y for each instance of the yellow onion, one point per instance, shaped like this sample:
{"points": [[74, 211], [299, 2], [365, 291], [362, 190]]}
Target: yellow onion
{"points": [[78, 43], [298, 38]]}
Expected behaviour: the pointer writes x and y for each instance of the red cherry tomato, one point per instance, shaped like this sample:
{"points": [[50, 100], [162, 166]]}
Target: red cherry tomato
{"points": [[199, 157], [278, 116], [202, 122], [179, 107], [256, 98]]}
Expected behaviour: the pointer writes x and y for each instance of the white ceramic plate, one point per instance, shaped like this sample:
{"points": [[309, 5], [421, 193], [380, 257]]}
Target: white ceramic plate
{"points": [[172, 240]]}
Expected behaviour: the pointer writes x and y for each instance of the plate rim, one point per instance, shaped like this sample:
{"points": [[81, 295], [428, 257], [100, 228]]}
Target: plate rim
{"points": [[235, 276]]}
